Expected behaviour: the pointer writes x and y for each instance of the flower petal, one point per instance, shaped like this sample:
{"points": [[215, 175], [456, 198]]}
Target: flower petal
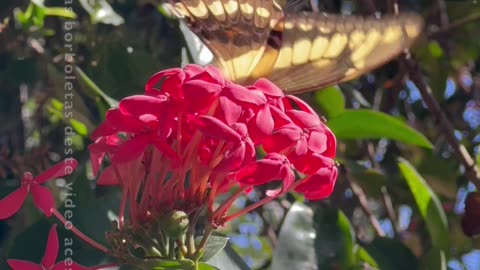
{"points": [[317, 142], [131, 149], [139, 105], [268, 88], [23, 265], [304, 119], [260, 172], [215, 128], [10, 204], [51, 250], [319, 185], [60, 169], [231, 110], [160, 75], [299, 103], [116, 121], [42, 199], [282, 138], [241, 94], [265, 121], [62, 265]]}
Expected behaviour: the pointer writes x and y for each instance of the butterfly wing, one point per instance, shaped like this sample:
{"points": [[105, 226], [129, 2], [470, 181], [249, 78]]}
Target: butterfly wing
{"points": [[318, 50], [236, 31]]}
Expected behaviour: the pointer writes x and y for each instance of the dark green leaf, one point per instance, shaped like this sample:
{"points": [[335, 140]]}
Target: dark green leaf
{"points": [[335, 240], [435, 260], [428, 205], [214, 245], [391, 254], [331, 101], [92, 86], [368, 124]]}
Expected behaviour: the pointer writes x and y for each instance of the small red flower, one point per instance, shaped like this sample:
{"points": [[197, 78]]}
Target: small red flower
{"points": [[42, 198], [197, 136], [49, 258]]}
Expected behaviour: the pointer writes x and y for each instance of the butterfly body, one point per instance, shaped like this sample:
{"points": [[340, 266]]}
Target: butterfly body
{"points": [[299, 52]]}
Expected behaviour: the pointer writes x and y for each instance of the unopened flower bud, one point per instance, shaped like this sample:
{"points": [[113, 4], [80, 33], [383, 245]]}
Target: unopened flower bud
{"points": [[175, 224]]}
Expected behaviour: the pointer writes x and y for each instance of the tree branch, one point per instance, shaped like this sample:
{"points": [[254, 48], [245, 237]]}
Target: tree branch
{"points": [[471, 170], [454, 25], [362, 199]]}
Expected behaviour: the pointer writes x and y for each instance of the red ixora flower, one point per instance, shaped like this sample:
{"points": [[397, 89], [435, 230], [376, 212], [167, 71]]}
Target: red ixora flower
{"points": [[197, 136], [42, 197], [49, 258]]}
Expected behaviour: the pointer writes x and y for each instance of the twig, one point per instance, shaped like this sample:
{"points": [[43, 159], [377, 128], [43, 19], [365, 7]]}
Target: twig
{"points": [[471, 170], [456, 24], [387, 202], [362, 199]]}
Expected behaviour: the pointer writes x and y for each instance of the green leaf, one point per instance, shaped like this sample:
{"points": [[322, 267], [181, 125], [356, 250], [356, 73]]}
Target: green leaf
{"points": [[428, 205], [79, 127], [214, 245], [295, 247], [331, 101], [478, 159], [228, 259], [204, 266], [364, 258], [60, 12], [368, 124], [435, 260], [435, 49], [110, 101], [391, 254], [166, 264], [101, 11], [335, 240]]}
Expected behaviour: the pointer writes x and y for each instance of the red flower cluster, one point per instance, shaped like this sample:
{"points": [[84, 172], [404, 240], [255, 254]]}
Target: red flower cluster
{"points": [[180, 146]]}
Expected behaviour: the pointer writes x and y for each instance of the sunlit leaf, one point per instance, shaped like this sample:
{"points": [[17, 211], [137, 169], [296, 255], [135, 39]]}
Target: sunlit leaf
{"points": [[60, 12], [331, 101], [435, 49], [214, 245], [390, 254], [368, 124], [101, 12], [428, 205], [295, 246], [228, 259], [79, 127], [204, 266], [364, 258]]}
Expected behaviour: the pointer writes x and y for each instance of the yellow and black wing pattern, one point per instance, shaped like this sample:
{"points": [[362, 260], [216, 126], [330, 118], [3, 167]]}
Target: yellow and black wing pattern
{"points": [[318, 50], [236, 31], [299, 52]]}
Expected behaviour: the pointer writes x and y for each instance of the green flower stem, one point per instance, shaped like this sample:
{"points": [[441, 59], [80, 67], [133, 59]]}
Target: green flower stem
{"points": [[191, 244], [198, 253], [182, 248], [163, 243], [171, 249]]}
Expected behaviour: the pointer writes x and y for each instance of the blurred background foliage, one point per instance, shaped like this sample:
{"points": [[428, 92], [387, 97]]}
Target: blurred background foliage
{"points": [[400, 196]]}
